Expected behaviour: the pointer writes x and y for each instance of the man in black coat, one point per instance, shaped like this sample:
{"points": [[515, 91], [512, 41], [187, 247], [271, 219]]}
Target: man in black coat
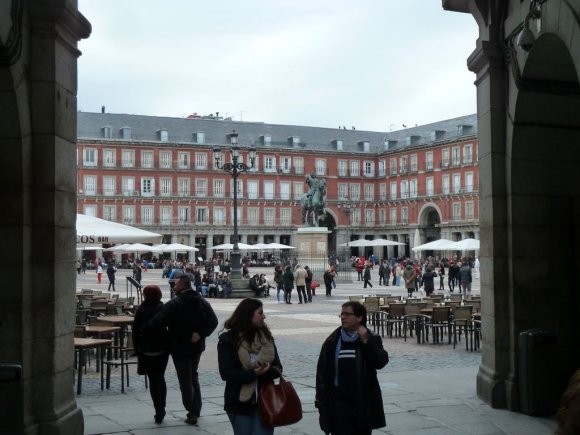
{"points": [[348, 396], [189, 320]]}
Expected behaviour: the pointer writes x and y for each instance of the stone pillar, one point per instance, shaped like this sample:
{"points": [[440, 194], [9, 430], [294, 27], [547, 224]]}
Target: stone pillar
{"points": [[312, 247], [209, 244]]}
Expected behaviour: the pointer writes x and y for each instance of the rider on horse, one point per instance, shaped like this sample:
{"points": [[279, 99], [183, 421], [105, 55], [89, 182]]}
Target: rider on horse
{"points": [[313, 182]]}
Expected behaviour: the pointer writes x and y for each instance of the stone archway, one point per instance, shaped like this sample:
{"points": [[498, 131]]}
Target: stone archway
{"points": [[429, 221]]}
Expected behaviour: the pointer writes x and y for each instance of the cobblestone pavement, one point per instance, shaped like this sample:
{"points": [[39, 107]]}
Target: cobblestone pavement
{"points": [[299, 331]]}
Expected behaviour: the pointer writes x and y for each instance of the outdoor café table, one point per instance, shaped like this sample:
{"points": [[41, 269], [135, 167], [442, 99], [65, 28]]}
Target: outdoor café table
{"points": [[82, 344], [118, 320]]}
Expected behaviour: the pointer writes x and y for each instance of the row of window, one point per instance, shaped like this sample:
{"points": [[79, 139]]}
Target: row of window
{"points": [[254, 217], [397, 165]]}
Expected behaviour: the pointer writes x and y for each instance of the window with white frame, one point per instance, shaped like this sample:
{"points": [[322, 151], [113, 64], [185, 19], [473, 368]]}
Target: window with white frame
{"points": [[90, 210], [201, 187], [468, 153], [240, 185], [383, 191], [146, 159], [393, 214], [109, 158], [109, 186], [253, 216], [393, 190], [128, 214], [445, 184], [456, 211], [240, 215], [183, 186], [298, 189], [404, 215], [469, 210], [456, 183], [166, 215], [393, 165], [370, 216], [320, 166], [128, 186], [269, 216], [285, 216], [369, 169], [354, 168], [201, 161], [201, 215], [430, 184], [219, 188], [128, 158], [147, 186], [256, 166], [110, 213], [369, 192], [183, 213], [354, 191], [382, 168], [383, 216], [299, 165], [221, 160], [165, 186], [456, 156], [183, 160], [429, 160], [90, 157], [413, 188], [147, 215], [342, 168], [469, 182], [284, 191], [90, 184], [269, 164], [165, 160], [268, 190], [404, 189], [285, 164], [403, 164], [219, 216], [445, 157], [355, 216], [253, 189], [342, 191], [414, 167]]}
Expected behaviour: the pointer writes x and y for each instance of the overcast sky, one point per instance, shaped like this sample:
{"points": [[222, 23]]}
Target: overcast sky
{"points": [[372, 64]]}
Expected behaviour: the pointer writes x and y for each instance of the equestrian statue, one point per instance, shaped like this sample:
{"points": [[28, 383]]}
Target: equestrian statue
{"points": [[313, 203]]}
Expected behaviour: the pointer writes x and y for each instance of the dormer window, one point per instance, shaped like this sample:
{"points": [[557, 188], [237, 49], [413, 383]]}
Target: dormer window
{"points": [[412, 140], [199, 137], [125, 133], [337, 143], [365, 145], [107, 132], [162, 135], [294, 141], [391, 144], [266, 140], [464, 129], [437, 135]]}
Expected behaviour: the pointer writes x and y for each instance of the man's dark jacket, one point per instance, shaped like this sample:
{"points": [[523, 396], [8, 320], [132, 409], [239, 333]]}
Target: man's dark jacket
{"points": [[188, 312], [369, 358]]}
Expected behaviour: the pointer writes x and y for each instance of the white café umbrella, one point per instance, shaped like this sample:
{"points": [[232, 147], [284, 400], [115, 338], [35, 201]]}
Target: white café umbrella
{"points": [[178, 247], [139, 247], [230, 246], [94, 230], [279, 246], [435, 245], [374, 242], [463, 245], [89, 248], [117, 247]]}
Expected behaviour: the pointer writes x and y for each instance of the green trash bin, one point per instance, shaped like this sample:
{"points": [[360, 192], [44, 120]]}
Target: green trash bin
{"points": [[538, 368], [11, 398]]}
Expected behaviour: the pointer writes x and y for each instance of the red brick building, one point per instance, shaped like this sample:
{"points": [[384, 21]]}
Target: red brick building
{"points": [[159, 174]]}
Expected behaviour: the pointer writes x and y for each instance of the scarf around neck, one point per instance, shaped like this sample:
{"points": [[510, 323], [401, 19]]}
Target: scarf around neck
{"points": [[348, 337], [260, 350]]}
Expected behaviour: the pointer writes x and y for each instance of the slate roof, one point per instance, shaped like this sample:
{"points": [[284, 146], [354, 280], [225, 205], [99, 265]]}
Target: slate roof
{"points": [[181, 130]]}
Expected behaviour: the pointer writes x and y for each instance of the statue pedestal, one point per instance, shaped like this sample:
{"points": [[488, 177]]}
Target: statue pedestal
{"points": [[312, 247], [241, 289]]}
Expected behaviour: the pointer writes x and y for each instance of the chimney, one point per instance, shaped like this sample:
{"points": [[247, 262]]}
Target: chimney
{"points": [[102, 109]]}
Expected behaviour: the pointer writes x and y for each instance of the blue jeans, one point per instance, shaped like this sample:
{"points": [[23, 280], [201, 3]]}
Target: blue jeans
{"points": [[249, 424]]}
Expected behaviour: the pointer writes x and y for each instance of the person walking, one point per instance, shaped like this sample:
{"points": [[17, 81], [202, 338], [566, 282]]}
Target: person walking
{"points": [[367, 275], [152, 348], [382, 273], [189, 320], [278, 272], [300, 278], [348, 395], [111, 271], [137, 271], [288, 283], [328, 277], [308, 281], [409, 276], [465, 279], [428, 281], [441, 276], [99, 272], [247, 356]]}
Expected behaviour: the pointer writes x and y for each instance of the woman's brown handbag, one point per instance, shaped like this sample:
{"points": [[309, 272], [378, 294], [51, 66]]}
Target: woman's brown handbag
{"points": [[279, 404]]}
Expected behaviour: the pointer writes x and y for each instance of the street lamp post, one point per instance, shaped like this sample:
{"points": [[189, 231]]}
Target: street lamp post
{"points": [[235, 168], [346, 209]]}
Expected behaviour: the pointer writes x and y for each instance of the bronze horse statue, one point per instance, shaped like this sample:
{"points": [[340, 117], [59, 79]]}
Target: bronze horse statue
{"points": [[313, 209]]}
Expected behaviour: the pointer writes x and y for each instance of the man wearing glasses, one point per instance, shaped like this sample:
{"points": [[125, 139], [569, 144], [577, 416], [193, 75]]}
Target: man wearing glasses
{"points": [[348, 396]]}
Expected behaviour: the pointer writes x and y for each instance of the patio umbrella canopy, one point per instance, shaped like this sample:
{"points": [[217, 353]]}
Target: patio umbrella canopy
{"points": [[374, 242], [435, 245], [178, 247], [94, 230], [230, 246], [463, 245]]}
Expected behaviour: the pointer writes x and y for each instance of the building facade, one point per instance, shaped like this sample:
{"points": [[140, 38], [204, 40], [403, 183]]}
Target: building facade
{"points": [[412, 186]]}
